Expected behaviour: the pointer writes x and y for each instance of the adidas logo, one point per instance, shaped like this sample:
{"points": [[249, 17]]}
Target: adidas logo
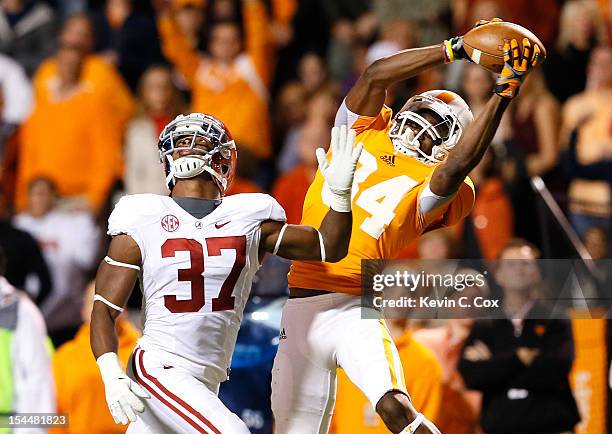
{"points": [[389, 159], [282, 335]]}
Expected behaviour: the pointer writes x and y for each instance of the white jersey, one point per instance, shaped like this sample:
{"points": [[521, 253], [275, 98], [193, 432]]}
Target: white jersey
{"points": [[196, 274]]}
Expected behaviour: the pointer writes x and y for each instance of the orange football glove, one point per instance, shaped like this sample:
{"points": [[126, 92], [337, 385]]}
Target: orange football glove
{"points": [[516, 67], [453, 48]]}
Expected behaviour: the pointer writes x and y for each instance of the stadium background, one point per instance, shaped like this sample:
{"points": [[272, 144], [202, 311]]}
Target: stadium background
{"points": [[86, 87]]}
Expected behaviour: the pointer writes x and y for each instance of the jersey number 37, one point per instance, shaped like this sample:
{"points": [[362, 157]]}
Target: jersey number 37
{"points": [[195, 274]]}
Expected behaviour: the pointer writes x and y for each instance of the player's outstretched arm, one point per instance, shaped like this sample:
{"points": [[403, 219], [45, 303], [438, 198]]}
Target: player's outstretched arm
{"points": [[330, 242], [368, 95], [115, 280], [449, 175]]}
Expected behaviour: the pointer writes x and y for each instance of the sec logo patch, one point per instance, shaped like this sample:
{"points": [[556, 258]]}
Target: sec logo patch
{"points": [[169, 223]]}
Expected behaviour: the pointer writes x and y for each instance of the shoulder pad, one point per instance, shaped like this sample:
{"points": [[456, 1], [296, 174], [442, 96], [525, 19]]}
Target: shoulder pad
{"points": [[133, 211]]}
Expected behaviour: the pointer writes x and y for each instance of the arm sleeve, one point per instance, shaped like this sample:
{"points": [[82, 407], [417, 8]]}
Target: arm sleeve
{"points": [[177, 49], [257, 37], [344, 116], [34, 388], [436, 211], [487, 374]]}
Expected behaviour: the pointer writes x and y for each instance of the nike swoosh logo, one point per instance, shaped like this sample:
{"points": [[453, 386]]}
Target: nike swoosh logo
{"points": [[167, 367], [220, 225]]}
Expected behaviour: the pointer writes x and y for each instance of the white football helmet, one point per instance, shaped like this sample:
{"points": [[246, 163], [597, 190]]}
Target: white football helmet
{"points": [[219, 160], [454, 117]]}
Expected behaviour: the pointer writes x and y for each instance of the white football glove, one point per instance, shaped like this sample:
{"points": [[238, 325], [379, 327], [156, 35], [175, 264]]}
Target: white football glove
{"points": [[338, 173], [122, 394]]}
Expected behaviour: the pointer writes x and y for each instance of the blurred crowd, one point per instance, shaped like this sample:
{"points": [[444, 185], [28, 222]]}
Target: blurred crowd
{"points": [[86, 86]]}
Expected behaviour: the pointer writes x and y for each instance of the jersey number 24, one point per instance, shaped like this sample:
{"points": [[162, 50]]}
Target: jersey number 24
{"points": [[379, 200]]}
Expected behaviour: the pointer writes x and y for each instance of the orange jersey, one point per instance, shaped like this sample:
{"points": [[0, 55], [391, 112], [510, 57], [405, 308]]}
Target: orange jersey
{"points": [[387, 190]]}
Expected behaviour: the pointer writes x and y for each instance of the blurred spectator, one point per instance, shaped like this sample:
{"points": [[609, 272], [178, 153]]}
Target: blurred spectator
{"points": [[72, 139], [532, 151], [460, 409], [242, 184], [312, 73], [8, 157], [190, 17], [535, 126], [521, 364], [291, 187], [80, 391], [438, 244], [26, 379], [467, 12], [490, 225], [321, 111], [69, 241], [541, 17], [16, 93], [581, 28], [422, 375], [15, 105], [159, 102], [596, 242], [289, 113], [590, 114], [27, 31], [350, 21], [126, 36], [477, 85], [432, 18], [97, 75], [25, 266], [231, 80]]}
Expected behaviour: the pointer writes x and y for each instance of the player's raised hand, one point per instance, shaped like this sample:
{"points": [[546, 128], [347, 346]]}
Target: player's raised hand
{"points": [[122, 394], [516, 67], [453, 47], [339, 171]]}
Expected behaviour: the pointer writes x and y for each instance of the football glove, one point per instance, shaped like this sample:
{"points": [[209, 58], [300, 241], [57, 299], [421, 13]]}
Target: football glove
{"points": [[122, 394], [453, 48], [516, 67], [338, 172]]}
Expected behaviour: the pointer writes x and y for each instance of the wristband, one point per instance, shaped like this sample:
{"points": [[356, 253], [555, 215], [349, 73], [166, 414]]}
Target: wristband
{"points": [[447, 50], [340, 199], [109, 366]]}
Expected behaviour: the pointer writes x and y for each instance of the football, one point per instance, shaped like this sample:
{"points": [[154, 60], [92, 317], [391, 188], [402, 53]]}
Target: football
{"points": [[484, 44]]}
